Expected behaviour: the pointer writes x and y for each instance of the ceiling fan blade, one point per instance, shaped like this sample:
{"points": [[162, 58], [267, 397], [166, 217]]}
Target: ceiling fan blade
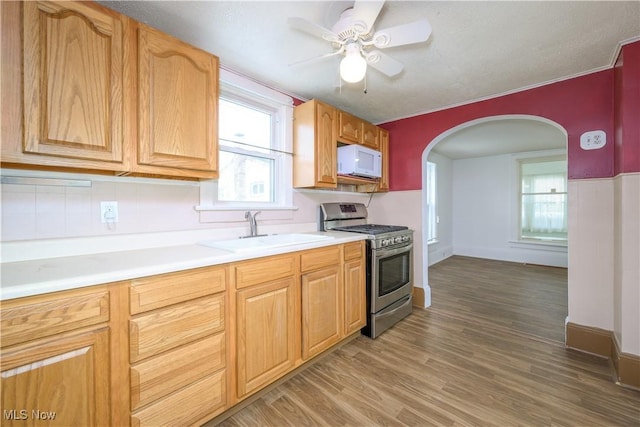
{"points": [[365, 14], [384, 63], [311, 28], [414, 32], [317, 58]]}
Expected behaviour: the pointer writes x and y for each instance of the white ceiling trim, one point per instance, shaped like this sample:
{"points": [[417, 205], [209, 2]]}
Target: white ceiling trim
{"points": [[611, 64]]}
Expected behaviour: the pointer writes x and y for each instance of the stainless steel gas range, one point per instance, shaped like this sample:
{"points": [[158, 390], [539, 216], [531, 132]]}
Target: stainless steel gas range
{"points": [[389, 263]]}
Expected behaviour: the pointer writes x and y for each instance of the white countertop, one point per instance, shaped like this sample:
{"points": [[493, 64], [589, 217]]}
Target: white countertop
{"points": [[34, 277]]}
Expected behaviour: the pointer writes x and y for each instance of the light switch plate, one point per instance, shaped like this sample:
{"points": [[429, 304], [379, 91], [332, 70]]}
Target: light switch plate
{"points": [[593, 140]]}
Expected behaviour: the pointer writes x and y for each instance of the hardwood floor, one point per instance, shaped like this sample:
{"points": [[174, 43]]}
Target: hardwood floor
{"points": [[523, 297], [474, 358]]}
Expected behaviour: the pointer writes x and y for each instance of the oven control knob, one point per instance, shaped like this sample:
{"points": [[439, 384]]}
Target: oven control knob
{"points": [[398, 239]]}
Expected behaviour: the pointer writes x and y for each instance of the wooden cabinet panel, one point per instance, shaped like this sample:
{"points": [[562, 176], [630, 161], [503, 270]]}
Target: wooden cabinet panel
{"points": [[326, 149], [176, 325], [315, 163], [191, 405], [27, 319], [317, 258], [177, 106], [354, 250], [65, 381], [153, 292], [167, 373], [349, 128], [263, 269], [266, 325], [370, 135], [321, 310], [383, 184], [73, 84], [355, 298]]}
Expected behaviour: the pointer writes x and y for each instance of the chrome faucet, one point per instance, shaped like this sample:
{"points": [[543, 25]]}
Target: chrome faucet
{"points": [[253, 224]]}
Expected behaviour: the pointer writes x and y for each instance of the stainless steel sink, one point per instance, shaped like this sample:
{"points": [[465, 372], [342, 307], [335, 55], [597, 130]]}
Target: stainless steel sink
{"points": [[265, 242]]}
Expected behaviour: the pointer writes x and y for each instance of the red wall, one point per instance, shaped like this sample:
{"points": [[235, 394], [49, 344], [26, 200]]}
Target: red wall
{"points": [[627, 109], [580, 104]]}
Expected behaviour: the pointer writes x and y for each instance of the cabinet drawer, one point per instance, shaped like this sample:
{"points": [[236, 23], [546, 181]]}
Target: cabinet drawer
{"points": [[353, 250], [264, 269], [166, 373], [317, 258], [27, 319], [205, 398], [173, 326], [153, 292]]}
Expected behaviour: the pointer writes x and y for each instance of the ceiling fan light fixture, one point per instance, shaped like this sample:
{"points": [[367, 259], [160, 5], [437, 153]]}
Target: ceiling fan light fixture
{"points": [[353, 66]]}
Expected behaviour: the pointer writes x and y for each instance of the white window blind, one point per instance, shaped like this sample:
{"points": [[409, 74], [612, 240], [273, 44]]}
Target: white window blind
{"points": [[543, 199]]}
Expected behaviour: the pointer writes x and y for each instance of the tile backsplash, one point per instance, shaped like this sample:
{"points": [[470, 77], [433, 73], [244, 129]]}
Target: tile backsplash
{"points": [[36, 212]]}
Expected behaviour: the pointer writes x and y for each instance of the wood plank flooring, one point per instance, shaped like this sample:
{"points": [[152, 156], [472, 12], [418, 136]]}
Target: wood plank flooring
{"points": [[468, 360]]}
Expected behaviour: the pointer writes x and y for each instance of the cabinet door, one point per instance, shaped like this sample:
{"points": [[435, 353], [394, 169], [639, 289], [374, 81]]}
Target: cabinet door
{"points": [[73, 84], [266, 328], [177, 107], [370, 136], [64, 381], [355, 298], [321, 310], [326, 150], [384, 149], [349, 128]]}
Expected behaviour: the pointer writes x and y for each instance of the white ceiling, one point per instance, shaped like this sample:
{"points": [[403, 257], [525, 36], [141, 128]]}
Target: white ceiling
{"points": [[477, 50]]}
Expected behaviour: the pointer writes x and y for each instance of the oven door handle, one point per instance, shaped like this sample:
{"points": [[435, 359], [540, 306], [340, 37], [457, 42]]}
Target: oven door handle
{"points": [[384, 253]]}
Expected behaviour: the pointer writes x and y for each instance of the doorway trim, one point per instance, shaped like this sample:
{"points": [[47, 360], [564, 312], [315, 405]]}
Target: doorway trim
{"points": [[425, 154]]}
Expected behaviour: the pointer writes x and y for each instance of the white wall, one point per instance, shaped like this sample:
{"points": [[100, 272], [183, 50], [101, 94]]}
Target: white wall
{"points": [[627, 263], [485, 213]]}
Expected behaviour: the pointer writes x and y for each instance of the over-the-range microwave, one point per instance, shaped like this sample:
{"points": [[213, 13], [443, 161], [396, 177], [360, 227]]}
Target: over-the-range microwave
{"points": [[359, 161]]}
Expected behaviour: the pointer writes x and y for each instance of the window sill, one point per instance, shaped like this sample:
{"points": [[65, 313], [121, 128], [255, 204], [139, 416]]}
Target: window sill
{"points": [[558, 246], [201, 208]]}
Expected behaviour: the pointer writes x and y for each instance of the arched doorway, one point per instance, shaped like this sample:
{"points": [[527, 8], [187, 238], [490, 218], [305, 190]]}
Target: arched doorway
{"points": [[502, 135]]}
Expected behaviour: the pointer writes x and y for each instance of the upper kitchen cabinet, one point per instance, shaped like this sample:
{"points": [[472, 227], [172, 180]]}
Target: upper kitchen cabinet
{"points": [[87, 88], [318, 130], [177, 107], [314, 145], [353, 130], [68, 110]]}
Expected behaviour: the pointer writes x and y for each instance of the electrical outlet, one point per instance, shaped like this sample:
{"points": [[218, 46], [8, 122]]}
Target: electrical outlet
{"points": [[593, 140], [109, 212]]}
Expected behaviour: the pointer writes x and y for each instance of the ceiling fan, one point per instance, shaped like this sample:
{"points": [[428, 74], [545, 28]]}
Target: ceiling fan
{"points": [[354, 37]]}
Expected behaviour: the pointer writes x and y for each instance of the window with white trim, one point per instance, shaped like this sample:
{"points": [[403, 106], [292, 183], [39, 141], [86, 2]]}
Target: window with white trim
{"points": [[255, 143], [432, 203], [543, 199]]}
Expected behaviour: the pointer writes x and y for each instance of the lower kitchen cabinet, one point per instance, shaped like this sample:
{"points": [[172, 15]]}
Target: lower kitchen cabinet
{"points": [[355, 291], [177, 348], [64, 381], [321, 288], [266, 341], [321, 310], [56, 359]]}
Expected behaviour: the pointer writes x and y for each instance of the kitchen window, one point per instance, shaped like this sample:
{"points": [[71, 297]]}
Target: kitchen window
{"points": [[543, 199], [255, 130]]}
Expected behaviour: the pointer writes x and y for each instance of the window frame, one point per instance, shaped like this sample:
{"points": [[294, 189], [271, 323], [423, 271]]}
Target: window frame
{"points": [[519, 160], [248, 92], [432, 194]]}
